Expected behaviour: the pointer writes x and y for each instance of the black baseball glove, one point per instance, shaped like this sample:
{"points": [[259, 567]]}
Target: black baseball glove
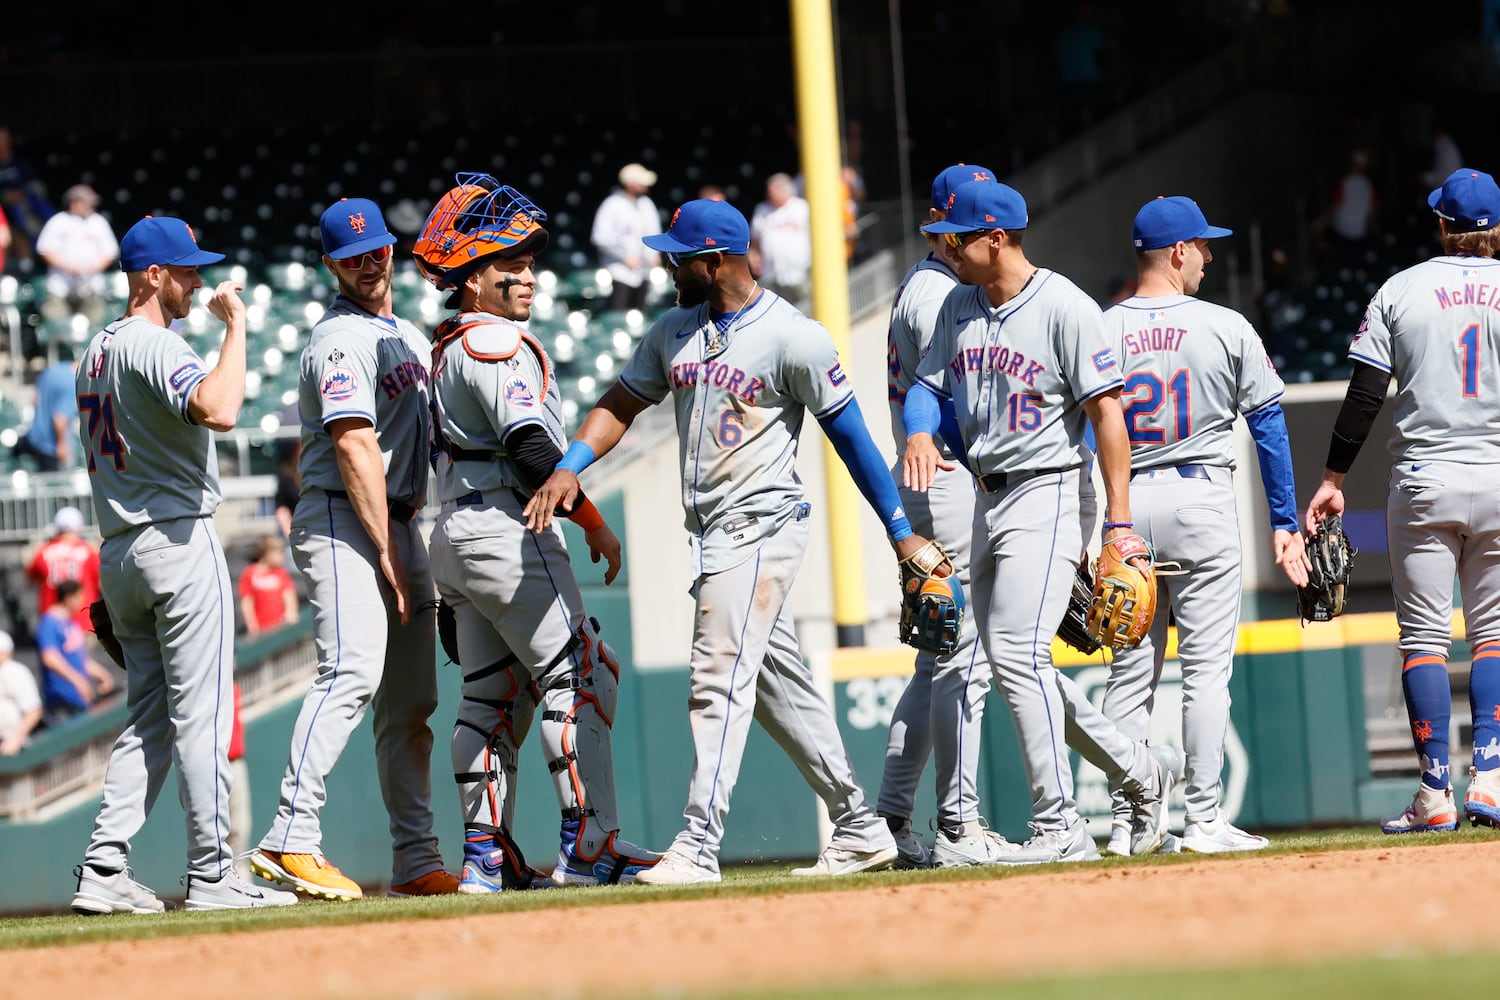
{"points": [[932, 607], [1328, 581], [1074, 628], [104, 631]]}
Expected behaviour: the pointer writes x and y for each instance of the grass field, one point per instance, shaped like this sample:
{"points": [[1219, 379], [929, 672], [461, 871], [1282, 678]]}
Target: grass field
{"points": [[1387, 971]]}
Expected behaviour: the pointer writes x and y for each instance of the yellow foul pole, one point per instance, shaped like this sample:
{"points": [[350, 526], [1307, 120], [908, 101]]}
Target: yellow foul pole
{"points": [[822, 171]]}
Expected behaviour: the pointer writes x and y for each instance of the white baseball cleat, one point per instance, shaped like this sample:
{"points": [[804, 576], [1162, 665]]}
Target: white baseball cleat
{"points": [[843, 861], [1068, 844], [971, 844], [112, 892], [1219, 836], [230, 893], [1118, 845], [676, 869], [1149, 827]]}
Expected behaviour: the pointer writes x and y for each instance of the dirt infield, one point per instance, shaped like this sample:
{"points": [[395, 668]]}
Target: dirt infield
{"points": [[1241, 911]]}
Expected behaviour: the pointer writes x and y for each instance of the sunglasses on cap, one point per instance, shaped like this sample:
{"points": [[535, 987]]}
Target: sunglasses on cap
{"points": [[957, 240], [379, 255], [674, 260]]}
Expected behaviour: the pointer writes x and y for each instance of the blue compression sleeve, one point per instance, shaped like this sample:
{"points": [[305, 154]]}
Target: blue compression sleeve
{"points": [[1274, 449], [578, 457], [851, 439], [922, 413], [951, 435]]}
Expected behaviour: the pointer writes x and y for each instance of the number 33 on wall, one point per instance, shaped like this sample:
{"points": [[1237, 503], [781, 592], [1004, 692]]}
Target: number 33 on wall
{"points": [[103, 438]]}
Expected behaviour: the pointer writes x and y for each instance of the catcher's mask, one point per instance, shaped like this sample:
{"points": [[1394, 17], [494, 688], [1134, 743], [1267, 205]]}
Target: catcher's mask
{"points": [[479, 218]]}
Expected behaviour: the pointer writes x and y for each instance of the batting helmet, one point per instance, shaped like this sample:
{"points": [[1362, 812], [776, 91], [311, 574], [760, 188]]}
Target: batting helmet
{"points": [[479, 218]]}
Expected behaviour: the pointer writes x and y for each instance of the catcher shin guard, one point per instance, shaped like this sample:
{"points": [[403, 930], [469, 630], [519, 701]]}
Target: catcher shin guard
{"points": [[494, 714], [1124, 600], [578, 709], [1332, 561]]}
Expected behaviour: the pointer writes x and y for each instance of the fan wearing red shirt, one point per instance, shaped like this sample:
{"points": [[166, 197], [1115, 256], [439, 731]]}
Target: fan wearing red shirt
{"points": [[268, 598], [67, 555]]}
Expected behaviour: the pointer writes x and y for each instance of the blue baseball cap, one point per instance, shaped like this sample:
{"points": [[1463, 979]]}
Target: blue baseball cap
{"points": [[164, 241], [353, 226], [704, 224], [951, 178], [1469, 199], [982, 205], [1164, 221]]}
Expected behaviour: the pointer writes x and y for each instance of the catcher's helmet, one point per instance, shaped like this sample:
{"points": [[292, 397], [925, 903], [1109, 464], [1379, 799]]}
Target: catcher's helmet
{"points": [[477, 219]]}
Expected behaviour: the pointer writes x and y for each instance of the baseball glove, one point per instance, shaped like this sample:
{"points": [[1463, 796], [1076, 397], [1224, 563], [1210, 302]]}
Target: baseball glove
{"points": [[447, 629], [1074, 628], [1124, 598], [104, 631], [1328, 581], [932, 607]]}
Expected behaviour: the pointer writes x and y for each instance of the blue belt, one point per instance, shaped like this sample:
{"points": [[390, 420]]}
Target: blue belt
{"points": [[1190, 471], [475, 499], [997, 481]]}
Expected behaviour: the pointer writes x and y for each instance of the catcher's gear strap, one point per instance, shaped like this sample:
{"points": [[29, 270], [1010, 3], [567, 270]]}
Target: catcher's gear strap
{"points": [[575, 725], [487, 338]]}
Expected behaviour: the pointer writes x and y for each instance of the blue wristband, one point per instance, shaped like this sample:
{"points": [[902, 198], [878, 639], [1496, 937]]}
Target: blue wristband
{"points": [[1118, 524], [578, 457]]}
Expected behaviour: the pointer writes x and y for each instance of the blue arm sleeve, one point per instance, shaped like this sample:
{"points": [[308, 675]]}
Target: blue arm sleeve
{"points": [[1274, 449], [951, 435], [851, 439], [922, 412]]}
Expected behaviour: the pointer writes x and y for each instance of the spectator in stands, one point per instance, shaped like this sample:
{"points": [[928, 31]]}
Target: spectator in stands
{"points": [[66, 556], [79, 246], [623, 218], [5, 239], [1345, 229], [1446, 158], [54, 422], [20, 701], [73, 680], [268, 598], [23, 197], [781, 240]]}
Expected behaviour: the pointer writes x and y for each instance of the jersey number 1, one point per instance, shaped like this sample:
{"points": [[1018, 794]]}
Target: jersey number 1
{"points": [[103, 438]]}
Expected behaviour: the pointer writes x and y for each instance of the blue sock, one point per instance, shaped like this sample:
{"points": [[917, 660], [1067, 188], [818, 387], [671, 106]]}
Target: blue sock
{"points": [[1484, 698], [570, 828], [1429, 706]]}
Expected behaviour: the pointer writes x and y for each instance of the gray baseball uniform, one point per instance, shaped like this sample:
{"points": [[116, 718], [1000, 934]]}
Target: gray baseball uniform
{"points": [[155, 481], [1191, 367], [942, 709], [363, 366], [739, 395], [523, 636], [1018, 375]]}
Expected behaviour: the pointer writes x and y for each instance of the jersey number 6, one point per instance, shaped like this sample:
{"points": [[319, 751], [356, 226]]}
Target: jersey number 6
{"points": [[103, 438]]}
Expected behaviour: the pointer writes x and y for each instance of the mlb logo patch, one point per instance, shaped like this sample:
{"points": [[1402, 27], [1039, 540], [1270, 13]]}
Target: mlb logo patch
{"points": [[338, 385], [518, 392], [836, 375], [181, 376], [1156, 316], [1104, 360]]}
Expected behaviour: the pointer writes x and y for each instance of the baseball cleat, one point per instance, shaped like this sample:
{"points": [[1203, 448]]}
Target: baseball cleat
{"points": [[620, 863], [677, 869], [1219, 836], [112, 892], [843, 861], [310, 874], [231, 893], [911, 852], [1149, 827], [438, 882], [970, 844], [1071, 843], [1482, 801], [1118, 845], [1431, 811]]}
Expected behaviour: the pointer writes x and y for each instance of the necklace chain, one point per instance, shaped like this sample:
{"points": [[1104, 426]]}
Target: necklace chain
{"points": [[717, 340]]}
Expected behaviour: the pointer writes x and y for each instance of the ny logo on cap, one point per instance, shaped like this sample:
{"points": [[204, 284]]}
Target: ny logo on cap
{"points": [[357, 223], [980, 175], [191, 235], [674, 218]]}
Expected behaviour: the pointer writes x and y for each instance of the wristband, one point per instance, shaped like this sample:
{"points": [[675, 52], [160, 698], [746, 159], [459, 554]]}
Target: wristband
{"points": [[1118, 524], [578, 457], [586, 515]]}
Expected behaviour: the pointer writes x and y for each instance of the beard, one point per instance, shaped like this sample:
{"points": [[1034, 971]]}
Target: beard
{"points": [[692, 293]]}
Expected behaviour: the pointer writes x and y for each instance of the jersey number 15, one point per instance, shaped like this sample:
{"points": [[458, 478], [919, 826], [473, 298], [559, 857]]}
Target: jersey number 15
{"points": [[99, 411]]}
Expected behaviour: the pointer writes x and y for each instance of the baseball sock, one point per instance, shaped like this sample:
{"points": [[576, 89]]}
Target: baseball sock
{"points": [[1484, 698], [1429, 705]]}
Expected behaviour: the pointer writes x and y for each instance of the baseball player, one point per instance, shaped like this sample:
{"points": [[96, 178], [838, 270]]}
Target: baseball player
{"points": [[523, 638], [1433, 328], [149, 406], [1190, 368], [366, 436], [1018, 358], [942, 709], [740, 365]]}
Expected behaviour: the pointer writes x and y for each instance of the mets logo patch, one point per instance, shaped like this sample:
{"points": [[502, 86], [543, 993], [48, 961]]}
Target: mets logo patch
{"points": [[1104, 360], [339, 384], [836, 375], [181, 376], [518, 392]]}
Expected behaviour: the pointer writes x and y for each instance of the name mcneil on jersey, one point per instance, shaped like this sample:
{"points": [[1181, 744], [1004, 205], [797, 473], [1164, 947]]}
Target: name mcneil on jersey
{"points": [[1472, 293], [403, 377], [996, 359], [722, 376]]}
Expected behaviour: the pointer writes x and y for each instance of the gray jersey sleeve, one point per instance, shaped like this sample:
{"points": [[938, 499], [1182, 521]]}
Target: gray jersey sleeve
{"points": [[810, 369], [913, 317], [645, 375]]}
